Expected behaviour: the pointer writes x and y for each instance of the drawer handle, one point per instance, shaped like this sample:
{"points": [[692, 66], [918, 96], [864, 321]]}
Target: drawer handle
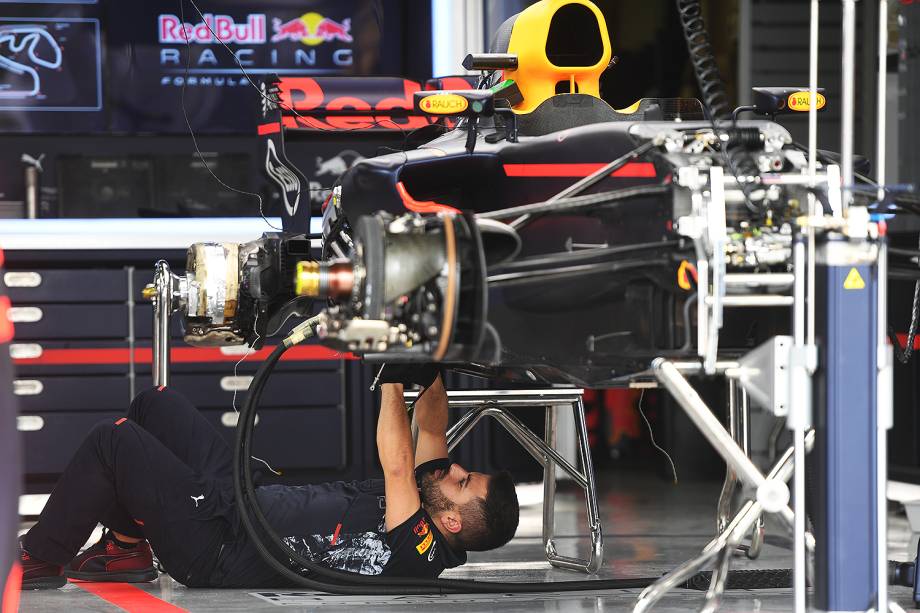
{"points": [[22, 279], [235, 350], [24, 315], [27, 387], [230, 419], [25, 351], [29, 423], [238, 383]]}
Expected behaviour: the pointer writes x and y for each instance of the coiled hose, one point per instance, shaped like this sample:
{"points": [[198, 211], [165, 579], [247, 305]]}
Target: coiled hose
{"points": [[302, 571], [736, 142]]}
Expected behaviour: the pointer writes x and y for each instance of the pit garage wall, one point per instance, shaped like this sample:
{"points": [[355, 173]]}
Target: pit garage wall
{"points": [[775, 53], [83, 348]]}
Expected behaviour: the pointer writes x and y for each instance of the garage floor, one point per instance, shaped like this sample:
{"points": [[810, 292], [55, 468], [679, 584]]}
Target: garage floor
{"points": [[650, 526]]}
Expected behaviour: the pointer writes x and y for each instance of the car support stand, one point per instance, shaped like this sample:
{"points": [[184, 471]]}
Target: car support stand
{"points": [[492, 403]]}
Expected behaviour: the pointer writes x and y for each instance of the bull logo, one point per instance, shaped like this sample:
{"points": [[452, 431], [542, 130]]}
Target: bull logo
{"points": [[338, 164], [312, 29], [284, 177]]}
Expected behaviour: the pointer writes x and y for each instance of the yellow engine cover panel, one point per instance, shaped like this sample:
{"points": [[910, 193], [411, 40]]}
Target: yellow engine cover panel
{"points": [[536, 75]]}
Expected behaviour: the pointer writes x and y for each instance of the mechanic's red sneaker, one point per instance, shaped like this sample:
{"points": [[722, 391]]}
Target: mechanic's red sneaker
{"points": [[39, 575], [108, 561]]}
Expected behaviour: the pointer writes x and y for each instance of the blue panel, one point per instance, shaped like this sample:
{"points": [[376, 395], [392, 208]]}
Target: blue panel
{"points": [[845, 510]]}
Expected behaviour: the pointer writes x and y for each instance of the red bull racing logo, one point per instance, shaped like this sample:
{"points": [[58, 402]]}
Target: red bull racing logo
{"points": [[312, 29]]}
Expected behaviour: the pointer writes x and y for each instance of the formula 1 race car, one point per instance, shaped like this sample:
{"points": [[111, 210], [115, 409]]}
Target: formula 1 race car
{"points": [[544, 237]]}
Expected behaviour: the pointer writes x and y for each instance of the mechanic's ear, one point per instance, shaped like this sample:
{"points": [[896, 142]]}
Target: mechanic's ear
{"points": [[450, 521]]}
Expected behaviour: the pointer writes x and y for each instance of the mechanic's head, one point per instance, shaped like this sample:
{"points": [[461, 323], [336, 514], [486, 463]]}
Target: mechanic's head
{"points": [[476, 512]]}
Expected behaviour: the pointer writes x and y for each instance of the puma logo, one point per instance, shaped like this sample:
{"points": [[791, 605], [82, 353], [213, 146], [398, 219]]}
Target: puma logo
{"points": [[197, 499], [431, 553]]}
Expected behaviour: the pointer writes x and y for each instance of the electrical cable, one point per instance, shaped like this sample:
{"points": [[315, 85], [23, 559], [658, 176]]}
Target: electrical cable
{"points": [[236, 366], [342, 582], [574, 203], [598, 175], [905, 353], [258, 89], [568, 257], [651, 436], [188, 62]]}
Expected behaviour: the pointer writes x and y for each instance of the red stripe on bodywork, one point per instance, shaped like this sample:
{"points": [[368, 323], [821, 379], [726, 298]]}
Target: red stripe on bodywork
{"points": [[176, 354], [632, 170], [128, 597], [902, 338], [422, 206], [121, 421], [269, 128]]}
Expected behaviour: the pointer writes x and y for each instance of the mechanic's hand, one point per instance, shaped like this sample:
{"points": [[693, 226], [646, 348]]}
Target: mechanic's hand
{"points": [[408, 374]]}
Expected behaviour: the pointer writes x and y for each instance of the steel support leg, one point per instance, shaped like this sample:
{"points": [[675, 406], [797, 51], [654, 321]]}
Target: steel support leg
{"points": [[724, 513], [162, 308], [726, 541], [544, 452], [596, 556], [549, 485]]}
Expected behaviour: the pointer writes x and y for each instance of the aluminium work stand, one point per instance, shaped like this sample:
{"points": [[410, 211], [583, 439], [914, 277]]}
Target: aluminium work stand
{"points": [[492, 403]]}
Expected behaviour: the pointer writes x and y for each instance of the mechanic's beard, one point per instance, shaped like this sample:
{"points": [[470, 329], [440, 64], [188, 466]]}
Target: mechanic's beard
{"points": [[434, 500]]}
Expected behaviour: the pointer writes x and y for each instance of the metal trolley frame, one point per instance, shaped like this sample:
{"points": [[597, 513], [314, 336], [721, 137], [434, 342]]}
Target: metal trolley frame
{"points": [[492, 403]]}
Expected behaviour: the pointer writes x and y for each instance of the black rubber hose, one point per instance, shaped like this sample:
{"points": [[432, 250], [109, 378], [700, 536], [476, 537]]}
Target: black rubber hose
{"points": [[336, 581], [704, 62], [715, 99], [576, 203], [342, 582]]}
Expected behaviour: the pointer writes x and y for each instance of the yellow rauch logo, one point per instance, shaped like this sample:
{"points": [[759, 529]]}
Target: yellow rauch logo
{"points": [[801, 101], [444, 104]]}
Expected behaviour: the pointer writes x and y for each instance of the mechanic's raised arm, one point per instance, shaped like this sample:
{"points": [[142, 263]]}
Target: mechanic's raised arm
{"points": [[394, 446], [431, 419]]}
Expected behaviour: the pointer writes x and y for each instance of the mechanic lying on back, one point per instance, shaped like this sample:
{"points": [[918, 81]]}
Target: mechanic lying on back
{"points": [[163, 475]]}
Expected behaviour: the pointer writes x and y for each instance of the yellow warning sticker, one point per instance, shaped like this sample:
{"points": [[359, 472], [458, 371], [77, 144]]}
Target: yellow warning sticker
{"points": [[854, 280]]}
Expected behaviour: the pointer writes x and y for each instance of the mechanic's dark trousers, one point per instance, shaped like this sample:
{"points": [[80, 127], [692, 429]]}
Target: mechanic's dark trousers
{"points": [[162, 473]]}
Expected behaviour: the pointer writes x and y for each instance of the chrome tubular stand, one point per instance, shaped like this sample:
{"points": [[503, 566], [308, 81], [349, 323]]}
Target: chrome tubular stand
{"points": [[720, 549], [492, 403], [167, 293], [740, 429], [771, 493], [162, 307]]}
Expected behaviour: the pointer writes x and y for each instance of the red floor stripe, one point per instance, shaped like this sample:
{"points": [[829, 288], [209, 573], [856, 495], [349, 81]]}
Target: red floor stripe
{"points": [[122, 355], [11, 589], [129, 598]]}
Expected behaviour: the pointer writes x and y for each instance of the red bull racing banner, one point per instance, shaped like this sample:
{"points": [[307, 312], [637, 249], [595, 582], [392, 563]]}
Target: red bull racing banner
{"points": [[310, 43], [206, 52]]}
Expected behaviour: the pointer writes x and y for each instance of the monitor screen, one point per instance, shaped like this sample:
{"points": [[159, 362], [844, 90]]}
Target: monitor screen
{"points": [[51, 71]]}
